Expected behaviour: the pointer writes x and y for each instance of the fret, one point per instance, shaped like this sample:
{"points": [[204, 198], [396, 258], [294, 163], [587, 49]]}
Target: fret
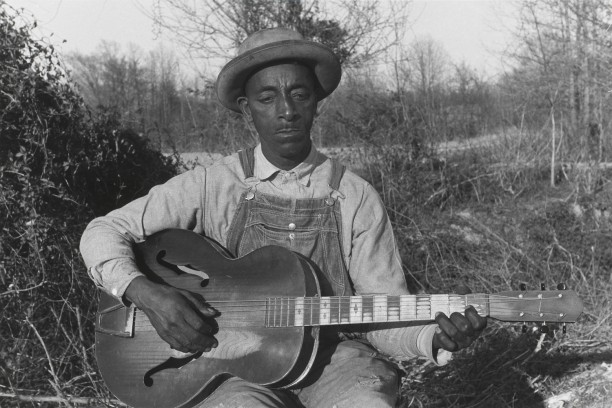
{"points": [[345, 309], [367, 308], [331, 310], [356, 315], [275, 312], [267, 312], [314, 310], [408, 307], [456, 303], [423, 307], [393, 308], [480, 301], [438, 303], [299, 312], [334, 309], [290, 312], [380, 308], [324, 309], [307, 311]]}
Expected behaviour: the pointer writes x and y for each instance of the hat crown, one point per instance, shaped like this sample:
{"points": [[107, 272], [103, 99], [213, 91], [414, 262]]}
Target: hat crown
{"points": [[268, 36]]}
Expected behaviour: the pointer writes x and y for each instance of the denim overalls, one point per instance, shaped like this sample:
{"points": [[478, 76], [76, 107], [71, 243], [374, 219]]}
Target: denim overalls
{"points": [[347, 374], [311, 227]]}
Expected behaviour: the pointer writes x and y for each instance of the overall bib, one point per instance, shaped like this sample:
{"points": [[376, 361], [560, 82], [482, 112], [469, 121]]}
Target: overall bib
{"points": [[311, 227], [346, 374]]}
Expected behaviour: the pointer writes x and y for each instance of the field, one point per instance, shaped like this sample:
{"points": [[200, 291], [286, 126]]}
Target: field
{"points": [[491, 228]]}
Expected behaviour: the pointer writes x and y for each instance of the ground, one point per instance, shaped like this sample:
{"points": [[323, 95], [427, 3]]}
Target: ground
{"points": [[539, 234]]}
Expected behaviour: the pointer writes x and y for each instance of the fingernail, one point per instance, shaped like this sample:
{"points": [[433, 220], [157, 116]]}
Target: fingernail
{"points": [[438, 314]]}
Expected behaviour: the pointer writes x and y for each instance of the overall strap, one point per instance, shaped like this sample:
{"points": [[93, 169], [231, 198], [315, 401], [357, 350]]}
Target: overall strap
{"points": [[337, 172], [247, 160]]}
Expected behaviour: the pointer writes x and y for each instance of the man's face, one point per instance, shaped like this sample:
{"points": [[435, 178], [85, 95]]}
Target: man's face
{"points": [[281, 103]]}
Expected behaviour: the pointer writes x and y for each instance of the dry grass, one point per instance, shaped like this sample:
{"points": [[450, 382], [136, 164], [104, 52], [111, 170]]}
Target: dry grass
{"points": [[472, 221]]}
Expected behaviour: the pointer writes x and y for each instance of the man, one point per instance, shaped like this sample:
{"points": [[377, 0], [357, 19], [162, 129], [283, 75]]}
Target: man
{"points": [[283, 192]]}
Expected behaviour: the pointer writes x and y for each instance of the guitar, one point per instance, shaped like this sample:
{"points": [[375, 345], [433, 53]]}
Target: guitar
{"points": [[270, 310]]}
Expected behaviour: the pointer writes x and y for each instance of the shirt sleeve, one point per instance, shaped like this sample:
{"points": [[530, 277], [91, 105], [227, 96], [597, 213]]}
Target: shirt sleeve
{"points": [[376, 267], [106, 243]]}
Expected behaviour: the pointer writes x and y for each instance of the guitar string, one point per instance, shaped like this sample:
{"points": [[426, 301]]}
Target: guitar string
{"points": [[313, 312], [406, 298]]}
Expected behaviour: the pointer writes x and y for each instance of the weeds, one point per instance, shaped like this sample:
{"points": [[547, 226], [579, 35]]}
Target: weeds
{"points": [[484, 216], [492, 227]]}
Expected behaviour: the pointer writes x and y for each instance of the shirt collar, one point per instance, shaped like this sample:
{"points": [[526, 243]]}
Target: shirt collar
{"points": [[264, 169]]}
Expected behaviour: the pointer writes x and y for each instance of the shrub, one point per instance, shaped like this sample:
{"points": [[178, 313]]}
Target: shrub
{"points": [[59, 166]]}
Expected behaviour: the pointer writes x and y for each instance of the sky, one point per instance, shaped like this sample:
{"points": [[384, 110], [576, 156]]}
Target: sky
{"points": [[470, 31]]}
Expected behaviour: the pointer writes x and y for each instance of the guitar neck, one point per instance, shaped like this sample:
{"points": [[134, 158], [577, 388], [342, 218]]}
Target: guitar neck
{"points": [[335, 310]]}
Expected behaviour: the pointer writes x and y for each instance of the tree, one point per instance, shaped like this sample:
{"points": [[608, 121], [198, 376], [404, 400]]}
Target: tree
{"points": [[358, 31], [563, 70]]}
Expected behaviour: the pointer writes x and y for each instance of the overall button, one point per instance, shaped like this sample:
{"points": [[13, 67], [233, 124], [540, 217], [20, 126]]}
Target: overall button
{"points": [[291, 226], [292, 236], [249, 195], [329, 201]]}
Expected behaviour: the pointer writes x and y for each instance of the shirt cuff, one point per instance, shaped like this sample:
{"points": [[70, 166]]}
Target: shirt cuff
{"points": [[425, 346], [115, 276]]}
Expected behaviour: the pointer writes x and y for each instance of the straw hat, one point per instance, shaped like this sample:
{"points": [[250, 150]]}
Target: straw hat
{"points": [[277, 44]]}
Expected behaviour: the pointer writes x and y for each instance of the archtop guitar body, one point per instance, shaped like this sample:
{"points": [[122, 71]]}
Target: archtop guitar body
{"points": [[269, 312]]}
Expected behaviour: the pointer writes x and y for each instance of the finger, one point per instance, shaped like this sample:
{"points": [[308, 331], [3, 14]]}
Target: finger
{"points": [[202, 334], [199, 303], [179, 334], [195, 342], [174, 341], [449, 328], [463, 324], [477, 321], [441, 340]]}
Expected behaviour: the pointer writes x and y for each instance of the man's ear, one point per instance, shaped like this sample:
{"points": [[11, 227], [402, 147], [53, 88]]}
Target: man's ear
{"points": [[243, 103]]}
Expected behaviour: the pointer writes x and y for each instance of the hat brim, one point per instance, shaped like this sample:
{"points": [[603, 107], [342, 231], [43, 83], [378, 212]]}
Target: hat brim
{"points": [[320, 59]]}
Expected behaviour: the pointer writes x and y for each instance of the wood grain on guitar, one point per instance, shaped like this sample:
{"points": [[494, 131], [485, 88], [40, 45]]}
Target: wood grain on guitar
{"points": [[270, 307]]}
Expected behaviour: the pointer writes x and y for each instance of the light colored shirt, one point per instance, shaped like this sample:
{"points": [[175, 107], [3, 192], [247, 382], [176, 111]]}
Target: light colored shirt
{"points": [[205, 200]]}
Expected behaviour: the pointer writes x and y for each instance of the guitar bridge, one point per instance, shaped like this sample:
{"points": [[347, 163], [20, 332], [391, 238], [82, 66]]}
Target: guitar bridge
{"points": [[117, 320]]}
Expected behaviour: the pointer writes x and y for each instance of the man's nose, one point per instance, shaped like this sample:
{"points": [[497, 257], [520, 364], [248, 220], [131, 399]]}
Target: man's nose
{"points": [[286, 110]]}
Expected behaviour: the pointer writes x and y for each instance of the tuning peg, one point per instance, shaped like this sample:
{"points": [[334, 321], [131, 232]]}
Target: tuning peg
{"points": [[561, 286], [544, 328], [523, 287], [524, 329], [542, 286], [564, 328]]}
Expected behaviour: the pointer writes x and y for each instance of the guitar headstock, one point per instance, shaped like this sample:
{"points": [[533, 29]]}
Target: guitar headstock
{"points": [[555, 306]]}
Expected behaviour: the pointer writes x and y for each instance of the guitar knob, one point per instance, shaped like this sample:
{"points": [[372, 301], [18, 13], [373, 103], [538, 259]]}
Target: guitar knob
{"points": [[542, 286], [562, 286], [523, 287]]}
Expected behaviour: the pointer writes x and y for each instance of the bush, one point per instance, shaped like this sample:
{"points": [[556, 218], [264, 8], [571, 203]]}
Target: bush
{"points": [[59, 166]]}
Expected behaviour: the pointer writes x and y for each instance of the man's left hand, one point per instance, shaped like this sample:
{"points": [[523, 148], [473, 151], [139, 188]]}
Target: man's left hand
{"points": [[458, 331]]}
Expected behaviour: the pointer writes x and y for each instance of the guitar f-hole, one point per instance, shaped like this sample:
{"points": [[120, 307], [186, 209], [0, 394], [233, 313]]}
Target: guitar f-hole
{"points": [[171, 362], [182, 269]]}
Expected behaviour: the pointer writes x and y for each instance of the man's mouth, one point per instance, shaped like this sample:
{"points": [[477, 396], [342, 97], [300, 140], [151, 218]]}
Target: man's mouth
{"points": [[288, 130]]}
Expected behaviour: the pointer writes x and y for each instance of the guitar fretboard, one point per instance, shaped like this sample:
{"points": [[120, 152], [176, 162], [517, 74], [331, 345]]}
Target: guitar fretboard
{"points": [[333, 310]]}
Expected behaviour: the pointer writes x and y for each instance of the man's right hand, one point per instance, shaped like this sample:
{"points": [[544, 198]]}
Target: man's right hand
{"points": [[181, 318]]}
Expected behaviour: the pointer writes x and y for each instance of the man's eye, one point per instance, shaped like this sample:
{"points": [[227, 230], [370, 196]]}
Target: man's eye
{"points": [[266, 99], [300, 96]]}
